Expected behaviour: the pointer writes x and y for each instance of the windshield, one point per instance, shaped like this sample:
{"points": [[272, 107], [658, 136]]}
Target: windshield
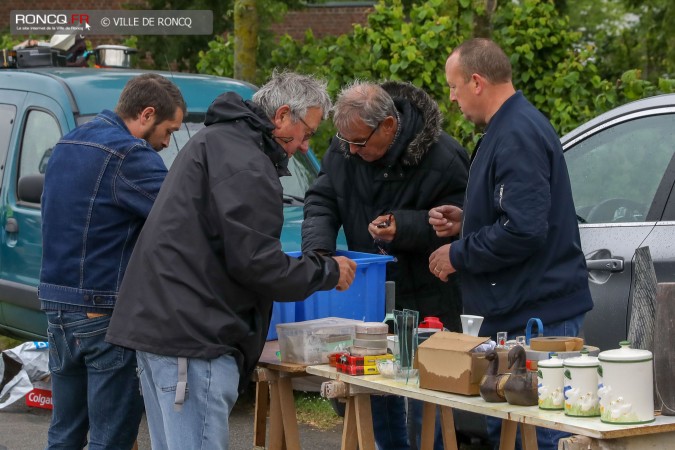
{"points": [[301, 166]]}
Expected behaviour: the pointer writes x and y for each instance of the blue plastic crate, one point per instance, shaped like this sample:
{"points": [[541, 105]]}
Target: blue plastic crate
{"points": [[364, 300]]}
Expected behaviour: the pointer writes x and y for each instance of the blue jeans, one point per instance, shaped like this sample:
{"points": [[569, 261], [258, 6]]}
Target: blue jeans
{"points": [[547, 439], [94, 385], [415, 410], [202, 421], [389, 422]]}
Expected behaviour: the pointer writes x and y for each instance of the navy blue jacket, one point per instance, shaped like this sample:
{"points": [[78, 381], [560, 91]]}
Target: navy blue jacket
{"points": [[520, 254], [100, 185]]}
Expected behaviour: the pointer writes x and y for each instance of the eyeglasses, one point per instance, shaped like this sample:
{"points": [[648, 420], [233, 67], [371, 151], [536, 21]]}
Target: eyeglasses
{"points": [[358, 144], [311, 133]]}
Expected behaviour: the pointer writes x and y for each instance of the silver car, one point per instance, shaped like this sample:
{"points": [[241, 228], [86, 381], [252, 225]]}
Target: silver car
{"points": [[622, 171]]}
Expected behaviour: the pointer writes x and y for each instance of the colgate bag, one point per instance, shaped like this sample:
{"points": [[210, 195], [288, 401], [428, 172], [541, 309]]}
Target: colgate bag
{"points": [[19, 368]]}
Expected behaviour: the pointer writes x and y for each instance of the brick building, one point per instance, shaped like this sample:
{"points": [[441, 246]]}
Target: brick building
{"points": [[332, 18]]}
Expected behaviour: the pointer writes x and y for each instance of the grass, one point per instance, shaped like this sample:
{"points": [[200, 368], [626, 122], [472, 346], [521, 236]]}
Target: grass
{"points": [[310, 408], [316, 411], [7, 342]]}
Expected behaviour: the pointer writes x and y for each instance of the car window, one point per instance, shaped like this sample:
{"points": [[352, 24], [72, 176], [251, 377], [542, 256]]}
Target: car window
{"points": [[616, 172], [7, 115], [301, 167], [40, 134]]}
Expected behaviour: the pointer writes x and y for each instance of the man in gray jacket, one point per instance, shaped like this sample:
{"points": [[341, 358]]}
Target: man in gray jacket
{"points": [[197, 299]]}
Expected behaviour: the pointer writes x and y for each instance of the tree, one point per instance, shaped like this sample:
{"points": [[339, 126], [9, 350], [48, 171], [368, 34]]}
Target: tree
{"points": [[182, 52], [245, 39], [628, 34], [552, 64]]}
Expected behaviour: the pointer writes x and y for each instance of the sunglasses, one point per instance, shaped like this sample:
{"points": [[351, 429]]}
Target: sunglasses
{"points": [[358, 144]]}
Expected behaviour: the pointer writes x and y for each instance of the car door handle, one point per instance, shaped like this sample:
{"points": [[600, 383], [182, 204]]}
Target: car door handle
{"points": [[12, 226], [610, 265]]}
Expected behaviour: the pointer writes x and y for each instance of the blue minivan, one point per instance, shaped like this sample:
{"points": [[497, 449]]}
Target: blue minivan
{"points": [[37, 107]]}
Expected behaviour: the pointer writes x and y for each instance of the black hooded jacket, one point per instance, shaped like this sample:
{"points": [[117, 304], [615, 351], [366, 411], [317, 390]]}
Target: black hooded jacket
{"points": [[424, 168], [208, 263]]}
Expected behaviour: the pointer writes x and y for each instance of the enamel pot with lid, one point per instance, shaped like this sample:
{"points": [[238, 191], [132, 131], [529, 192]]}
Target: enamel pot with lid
{"points": [[626, 388], [550, 383], [581, 385]]}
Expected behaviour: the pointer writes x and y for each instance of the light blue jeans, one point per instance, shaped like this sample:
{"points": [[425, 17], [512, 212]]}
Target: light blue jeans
{"points": [[202, 421], [547, 439]]}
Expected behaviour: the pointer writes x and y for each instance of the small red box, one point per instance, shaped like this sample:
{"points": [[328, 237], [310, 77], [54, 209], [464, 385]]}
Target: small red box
{"points": [[39, 398]]}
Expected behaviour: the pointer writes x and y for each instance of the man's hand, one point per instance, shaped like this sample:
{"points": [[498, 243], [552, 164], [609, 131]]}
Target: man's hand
{"points": [[347, 272], [446, 220], [439, 263], [383, 228]]}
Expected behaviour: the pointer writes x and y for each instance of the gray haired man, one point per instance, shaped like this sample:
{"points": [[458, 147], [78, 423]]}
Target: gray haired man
{"points": [[197, 299], [389, 163]]}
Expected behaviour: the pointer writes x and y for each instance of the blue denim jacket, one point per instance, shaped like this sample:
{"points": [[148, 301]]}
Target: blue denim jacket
{"points": [[100, 184]]}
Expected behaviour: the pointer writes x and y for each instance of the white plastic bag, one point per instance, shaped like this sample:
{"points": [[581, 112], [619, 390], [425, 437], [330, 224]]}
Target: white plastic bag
{"points": [[34, 360]]}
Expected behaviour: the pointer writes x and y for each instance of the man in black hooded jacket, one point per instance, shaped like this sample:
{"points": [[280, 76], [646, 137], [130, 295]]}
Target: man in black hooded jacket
{"points": [[197, 296], [389, 163]]}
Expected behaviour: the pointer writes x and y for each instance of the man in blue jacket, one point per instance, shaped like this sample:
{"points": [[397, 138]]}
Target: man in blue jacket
{"points": [[101, 181], [519, 254]]}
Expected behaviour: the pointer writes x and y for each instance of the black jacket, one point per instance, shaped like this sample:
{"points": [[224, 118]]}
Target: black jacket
{"points": [[424, 168], [520, 254], [208, 263]]}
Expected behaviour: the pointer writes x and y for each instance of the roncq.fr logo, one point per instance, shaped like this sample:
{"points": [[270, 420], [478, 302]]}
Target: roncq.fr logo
{"points": [[51, 19]]}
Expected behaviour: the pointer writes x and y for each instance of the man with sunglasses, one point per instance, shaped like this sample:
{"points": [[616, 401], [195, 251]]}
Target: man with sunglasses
{"points": [[388, 164]]}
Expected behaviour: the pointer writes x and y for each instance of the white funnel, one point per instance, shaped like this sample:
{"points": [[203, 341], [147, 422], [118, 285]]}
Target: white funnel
{"points": [[471, 324]]}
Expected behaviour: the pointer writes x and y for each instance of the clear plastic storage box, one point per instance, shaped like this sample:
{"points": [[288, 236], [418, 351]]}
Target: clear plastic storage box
{"points": [[311, 341]]}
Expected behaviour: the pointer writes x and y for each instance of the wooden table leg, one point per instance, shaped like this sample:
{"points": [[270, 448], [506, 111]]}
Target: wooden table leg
{"points": [[428, 426], [364, 422], [262, 403], [507, 440], [289, 417], [349, 433], [449, 435], [277, 440], [528, 436]]}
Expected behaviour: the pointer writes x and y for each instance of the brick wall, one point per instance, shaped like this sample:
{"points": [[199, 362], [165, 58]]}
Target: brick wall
{"points": [[323, 21]]}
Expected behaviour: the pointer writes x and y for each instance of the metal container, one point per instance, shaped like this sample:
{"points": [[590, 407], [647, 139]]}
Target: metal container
{"points": [[114, 56], [581, 386], [626, 388], [551, 383]]}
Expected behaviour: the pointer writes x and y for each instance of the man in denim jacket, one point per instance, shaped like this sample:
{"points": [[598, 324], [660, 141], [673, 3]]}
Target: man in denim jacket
{"points": [[101, 181]]}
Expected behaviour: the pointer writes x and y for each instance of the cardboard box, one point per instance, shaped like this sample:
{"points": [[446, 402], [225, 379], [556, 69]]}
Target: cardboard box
{"points": [[446, 363]]}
